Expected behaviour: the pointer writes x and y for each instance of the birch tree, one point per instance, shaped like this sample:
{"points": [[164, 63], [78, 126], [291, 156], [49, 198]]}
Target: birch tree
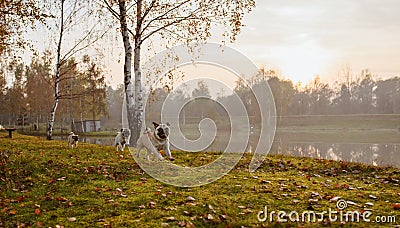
{"points": [[75, 18], [57, 75], [178, 21]]}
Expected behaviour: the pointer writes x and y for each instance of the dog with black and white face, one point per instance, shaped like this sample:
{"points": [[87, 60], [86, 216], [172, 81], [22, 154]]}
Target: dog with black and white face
{"points": [[122, 139], [72, 140], [154, 141]]}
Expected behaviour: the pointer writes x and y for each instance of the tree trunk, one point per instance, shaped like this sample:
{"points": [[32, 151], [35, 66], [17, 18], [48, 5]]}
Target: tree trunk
{"points": [[57, 76], [129, 93], [82, 124], [138, 95], [137, 120], [94, 111]]}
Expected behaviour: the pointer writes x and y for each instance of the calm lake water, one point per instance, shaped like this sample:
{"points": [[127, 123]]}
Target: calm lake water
{"points": [[373, 154]]}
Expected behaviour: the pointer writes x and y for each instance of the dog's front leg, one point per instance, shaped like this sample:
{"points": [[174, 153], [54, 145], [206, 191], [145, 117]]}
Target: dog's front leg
{"points": [[168, 152], [139, 148], [153, 150], [116, 142], [122, 143]]}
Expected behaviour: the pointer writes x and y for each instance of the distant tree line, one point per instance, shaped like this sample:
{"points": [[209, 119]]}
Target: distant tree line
{"points": [[361, 94], [28, 99], [364, 95], [84, 95]]}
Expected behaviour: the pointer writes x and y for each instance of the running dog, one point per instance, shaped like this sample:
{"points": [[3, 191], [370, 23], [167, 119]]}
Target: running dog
{"points": [[154, 141], [122, 139], [73, 140]]}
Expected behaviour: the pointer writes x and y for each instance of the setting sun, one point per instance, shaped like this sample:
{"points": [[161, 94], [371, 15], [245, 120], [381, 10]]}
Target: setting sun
{"points": [[302, 63]]}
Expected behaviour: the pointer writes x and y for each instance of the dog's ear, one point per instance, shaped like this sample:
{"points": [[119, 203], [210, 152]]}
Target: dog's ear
{"points": [[122, 129], [168, 124], [155, 124]]}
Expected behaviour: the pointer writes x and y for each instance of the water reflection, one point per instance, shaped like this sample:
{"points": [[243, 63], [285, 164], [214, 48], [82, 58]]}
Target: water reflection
{"points": [[372, 154]]}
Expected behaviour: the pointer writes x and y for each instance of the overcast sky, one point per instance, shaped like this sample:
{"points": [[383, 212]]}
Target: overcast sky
{"points": [[302, 38]]}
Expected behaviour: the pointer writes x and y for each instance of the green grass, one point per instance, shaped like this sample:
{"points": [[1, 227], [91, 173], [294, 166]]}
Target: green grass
{"points": [[65, 133], [86, 183]]}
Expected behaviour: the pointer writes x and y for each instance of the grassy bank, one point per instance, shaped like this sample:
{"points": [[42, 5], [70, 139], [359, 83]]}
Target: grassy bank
{"points": [[45, 184], [65, 133]]}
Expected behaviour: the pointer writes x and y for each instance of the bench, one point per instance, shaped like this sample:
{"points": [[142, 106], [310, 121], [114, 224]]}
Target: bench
{"points": [[10, 130]]}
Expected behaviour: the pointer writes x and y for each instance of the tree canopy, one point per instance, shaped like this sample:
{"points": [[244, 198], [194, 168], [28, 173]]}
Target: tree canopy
{"points": [[18, 16]]}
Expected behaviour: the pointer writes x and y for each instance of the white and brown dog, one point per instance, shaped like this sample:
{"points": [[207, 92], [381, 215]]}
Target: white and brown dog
{"points": [[72, 140], [155, 141], [122, 139]]}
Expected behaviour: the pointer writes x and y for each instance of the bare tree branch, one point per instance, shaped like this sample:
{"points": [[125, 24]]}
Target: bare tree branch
{"points": [[116, 14], [68, 20], [67, 55], [166, 26], [130, 7], [112, 11], [148, 10], [87, 45], [164, 14]]}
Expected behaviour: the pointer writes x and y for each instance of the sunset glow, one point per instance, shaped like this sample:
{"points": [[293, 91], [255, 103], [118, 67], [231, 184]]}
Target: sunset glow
{"points": [[303, 62]]}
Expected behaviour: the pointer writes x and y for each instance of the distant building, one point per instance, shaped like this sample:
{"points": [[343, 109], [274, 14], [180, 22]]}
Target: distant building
{"points": [[86, 126]]}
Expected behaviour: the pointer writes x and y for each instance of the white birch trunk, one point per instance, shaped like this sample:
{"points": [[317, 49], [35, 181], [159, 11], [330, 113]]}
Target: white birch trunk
{"points": [[82, 124], [137, 120], [138, 95], [129, 93], [57, 77]]}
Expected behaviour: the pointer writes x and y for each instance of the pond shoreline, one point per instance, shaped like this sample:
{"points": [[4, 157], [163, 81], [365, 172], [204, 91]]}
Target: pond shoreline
{"points": [[88, 134], [377, 153]]}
